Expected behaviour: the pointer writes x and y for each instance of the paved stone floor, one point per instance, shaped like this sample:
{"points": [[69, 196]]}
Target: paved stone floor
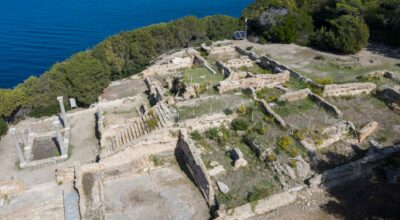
{"points": [[161, 193]]}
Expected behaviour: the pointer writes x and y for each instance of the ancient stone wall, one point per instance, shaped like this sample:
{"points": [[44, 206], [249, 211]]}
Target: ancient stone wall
{"points": [[256, 81], [267, 62], [295, 95], [325, 104], [349, 89], [237, 63], [391, 96], [203, 62], [367, 130], [196, 166], [268, 110], [273, 202], [253, 56]]}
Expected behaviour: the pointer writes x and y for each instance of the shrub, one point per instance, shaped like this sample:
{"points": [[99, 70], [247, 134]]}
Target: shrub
{"points": [[196, 135], [284, 142], [261, 191], [242, 109], [240, 124], [346, 34], [3, 127], [212, 134], [324, 81], [271, 157], [260, 128]]}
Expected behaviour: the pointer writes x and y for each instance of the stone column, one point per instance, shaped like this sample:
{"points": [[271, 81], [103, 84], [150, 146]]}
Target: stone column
{"points": [[19, 151], [64, 116], [58, 136]]}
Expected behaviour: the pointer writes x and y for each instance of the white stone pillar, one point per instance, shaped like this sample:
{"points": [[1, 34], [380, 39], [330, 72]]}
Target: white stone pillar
{"points": [[64, 115], [58, 136], [18, 147]]}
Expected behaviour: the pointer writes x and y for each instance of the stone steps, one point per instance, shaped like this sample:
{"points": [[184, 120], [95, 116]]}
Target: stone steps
{"points": [[139, 127]]}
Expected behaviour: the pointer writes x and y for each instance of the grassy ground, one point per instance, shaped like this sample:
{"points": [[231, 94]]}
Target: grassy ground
{"points": [[269, 95], [201, 75], [213, 105], [257, 180], [363, 109], [255, 69]]}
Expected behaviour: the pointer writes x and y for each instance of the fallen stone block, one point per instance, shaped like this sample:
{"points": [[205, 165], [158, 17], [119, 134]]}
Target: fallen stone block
{"points": [[222, 187], [367, 130]]}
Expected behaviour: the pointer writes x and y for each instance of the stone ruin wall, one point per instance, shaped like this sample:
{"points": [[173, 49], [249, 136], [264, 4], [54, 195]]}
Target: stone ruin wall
{"points": [[295, 95], [367, 130], [203, 62], [196, 166], [237, 63], [253, 56], [262, 206], [256, 81], [268, 110], [326, 105], [349, 89], [392, 97], [267, 62]]}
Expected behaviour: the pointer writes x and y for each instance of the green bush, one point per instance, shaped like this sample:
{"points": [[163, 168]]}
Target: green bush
{"points": [[284, 142], [196, 135], [346, 34], [240, 124], [212, 134], [3, 127]]}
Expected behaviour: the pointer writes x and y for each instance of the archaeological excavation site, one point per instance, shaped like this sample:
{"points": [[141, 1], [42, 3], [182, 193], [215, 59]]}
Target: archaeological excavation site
{"points": [[229, 130]]}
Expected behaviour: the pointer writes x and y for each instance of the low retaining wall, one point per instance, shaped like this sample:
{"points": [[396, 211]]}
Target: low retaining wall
{"points": [[262, 206], [268, 109], [348, 89], [253, 56], [196, 166], [257, 81], [267, 62], [201, 61], [295, 96], [325, 104]]}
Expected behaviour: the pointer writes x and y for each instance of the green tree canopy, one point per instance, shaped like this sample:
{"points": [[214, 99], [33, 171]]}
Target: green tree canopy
{"points": [[347, 34]]}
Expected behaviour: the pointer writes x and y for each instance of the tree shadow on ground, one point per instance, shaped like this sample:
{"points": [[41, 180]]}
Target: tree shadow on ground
{"points": [[384, 50], [369, 197]]}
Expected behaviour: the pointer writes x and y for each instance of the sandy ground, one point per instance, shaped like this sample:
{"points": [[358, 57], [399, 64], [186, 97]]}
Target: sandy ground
{"points": [[160, 193]]}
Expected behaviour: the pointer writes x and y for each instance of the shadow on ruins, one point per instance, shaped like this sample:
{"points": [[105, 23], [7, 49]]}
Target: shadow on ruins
{"points": [[373, 196]]}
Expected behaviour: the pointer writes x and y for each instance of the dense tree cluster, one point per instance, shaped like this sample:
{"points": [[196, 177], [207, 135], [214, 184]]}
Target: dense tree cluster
{"points": [[342, 26], [85, 74]]}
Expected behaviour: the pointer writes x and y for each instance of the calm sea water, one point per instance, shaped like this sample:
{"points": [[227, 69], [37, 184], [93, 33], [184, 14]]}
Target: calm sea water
{"points": [[34, 34]]}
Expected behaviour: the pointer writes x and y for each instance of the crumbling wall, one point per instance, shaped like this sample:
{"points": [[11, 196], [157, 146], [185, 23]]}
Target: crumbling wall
{"points": [[391, 96], [349, 89], [295, 95], [253, 56], [203, 62], [262, 206], [156, 94], [196, 166], [256, 81], [267, 62], [367, 130], [325, 104], [268, 110]]}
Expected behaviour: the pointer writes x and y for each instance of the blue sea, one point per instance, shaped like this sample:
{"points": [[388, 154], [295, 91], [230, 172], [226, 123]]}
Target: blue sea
{"points": [[34, 34]]}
